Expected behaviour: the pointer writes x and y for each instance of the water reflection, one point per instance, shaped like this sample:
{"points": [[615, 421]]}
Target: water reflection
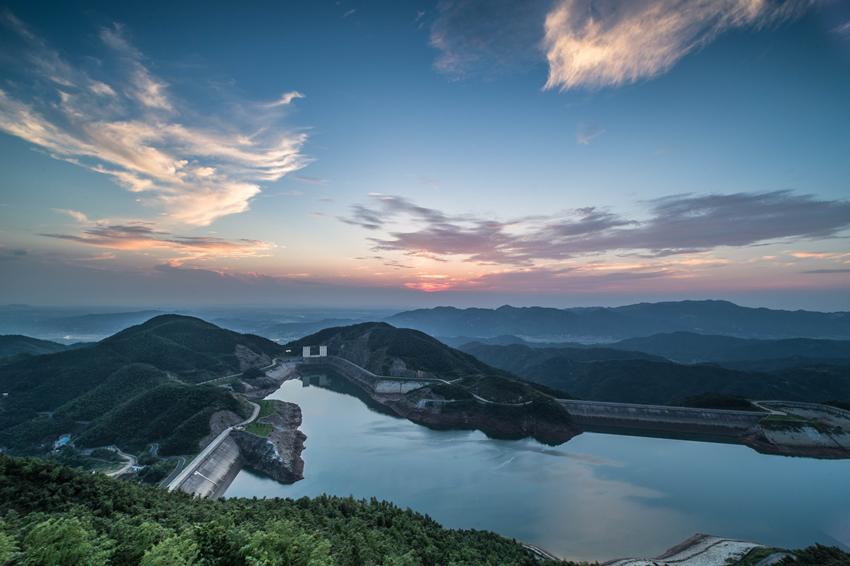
{"points": [[598, 496]]}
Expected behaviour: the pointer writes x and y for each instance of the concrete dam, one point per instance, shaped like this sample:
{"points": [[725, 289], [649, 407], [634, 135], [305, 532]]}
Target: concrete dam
{"points": [[660, 418], [590, 415]]}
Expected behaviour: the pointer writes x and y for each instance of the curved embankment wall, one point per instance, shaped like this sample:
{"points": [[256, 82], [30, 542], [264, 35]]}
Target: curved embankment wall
{"points": [[215, 474], [385, 385], [661, 418], [591, 414]]}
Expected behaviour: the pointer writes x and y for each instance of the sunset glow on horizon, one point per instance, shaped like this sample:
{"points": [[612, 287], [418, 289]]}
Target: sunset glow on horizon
{"points": [[463, 152]]}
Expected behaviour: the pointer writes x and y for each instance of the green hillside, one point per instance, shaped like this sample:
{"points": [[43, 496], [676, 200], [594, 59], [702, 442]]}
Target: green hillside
{"points": [[478, 397], [193, 349], [386, 350], [377, 346], [54, 515], [658, 381], [689, 347], [51, 514], [131, 389], [15, 345]]}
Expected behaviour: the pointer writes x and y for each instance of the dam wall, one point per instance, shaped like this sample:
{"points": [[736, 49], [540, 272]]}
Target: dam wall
{"points": [[381, 384], [598, 414], [215, 473]]}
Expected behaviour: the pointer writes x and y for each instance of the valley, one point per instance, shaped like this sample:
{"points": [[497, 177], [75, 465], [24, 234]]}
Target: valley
{"points": [[237, 415]]}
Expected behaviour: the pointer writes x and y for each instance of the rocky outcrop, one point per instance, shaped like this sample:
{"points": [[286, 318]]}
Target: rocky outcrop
{"points": [[219, 421], [548, 425], [278, 455], [248, 358]]}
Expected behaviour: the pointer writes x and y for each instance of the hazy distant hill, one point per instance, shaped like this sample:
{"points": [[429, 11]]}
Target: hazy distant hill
{"points": [[285, 331], [601, 324], [66, 323], [130, 389], [688, 347], [638, 378], [15, 344]]}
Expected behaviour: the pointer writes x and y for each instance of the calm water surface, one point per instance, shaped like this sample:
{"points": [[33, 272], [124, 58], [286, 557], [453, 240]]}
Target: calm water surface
{"points": [[596, 497]]}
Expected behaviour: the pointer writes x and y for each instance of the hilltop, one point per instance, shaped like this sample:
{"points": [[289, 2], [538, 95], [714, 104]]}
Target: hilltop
{"points": [[17, 345], [91, 519], [142, 385], [471, 394]]}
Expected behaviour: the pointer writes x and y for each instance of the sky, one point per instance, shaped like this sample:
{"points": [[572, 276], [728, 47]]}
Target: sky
{"points": [[396, 154]]}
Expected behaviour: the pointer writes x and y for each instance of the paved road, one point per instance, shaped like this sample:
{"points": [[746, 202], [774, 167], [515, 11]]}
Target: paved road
{"points": [[198, 460], [237, 374], [129, 462], [181, 461], [425, 380]]}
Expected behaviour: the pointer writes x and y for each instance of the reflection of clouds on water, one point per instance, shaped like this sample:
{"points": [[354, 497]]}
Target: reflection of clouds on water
{"points": [[606, 517], [595, 496]]}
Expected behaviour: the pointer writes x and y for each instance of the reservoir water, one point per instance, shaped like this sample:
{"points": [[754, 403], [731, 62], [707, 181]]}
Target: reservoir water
{"points": [[598, 496]]}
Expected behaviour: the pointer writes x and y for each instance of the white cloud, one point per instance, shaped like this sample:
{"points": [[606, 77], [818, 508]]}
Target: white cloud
{"points": [[843, 29], [131, 128], [609, 42], [75, 214], [586, 132], [286, 98]]}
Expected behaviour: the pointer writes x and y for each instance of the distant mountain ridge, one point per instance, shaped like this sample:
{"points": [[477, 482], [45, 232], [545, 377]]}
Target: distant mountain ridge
{"points": [[16, 344], [690, 347], [607, 324]]}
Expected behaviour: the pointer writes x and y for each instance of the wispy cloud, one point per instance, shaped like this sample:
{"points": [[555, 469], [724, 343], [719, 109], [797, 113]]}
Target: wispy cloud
{"points": [[842, 30], [287, 98], [590, 43], [676, 225], [132, 128], [486, 35], [586, 132], [594, 43], [75, 214], [139, 236]]}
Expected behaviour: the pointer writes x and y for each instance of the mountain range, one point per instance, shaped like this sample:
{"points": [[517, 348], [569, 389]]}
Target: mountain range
{"points": [[608, 324]]}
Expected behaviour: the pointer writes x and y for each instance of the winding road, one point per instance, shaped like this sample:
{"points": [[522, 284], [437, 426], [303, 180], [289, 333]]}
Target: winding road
{"points": [[129, 462]]}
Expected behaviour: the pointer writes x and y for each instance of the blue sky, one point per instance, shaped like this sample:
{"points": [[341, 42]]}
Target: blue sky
{"points": [[401, 153]]}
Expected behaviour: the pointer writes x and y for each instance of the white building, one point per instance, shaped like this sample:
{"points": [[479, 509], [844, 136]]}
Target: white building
{"points": [[306, 352]]}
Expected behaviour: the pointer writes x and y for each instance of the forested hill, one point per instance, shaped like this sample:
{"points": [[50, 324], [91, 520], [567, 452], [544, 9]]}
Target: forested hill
{"points": [[17, 345], [400, 352], [55, 515], [384, 349], [600, 324], [690, 347], [601, 374], [136, 387]]}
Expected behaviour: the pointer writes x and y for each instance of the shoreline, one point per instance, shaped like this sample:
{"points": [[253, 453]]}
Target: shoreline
{"points": [[710, 425]]}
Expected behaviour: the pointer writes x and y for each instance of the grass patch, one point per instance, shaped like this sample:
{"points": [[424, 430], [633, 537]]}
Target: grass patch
{"points": [[260, 429], [266, 408]]}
